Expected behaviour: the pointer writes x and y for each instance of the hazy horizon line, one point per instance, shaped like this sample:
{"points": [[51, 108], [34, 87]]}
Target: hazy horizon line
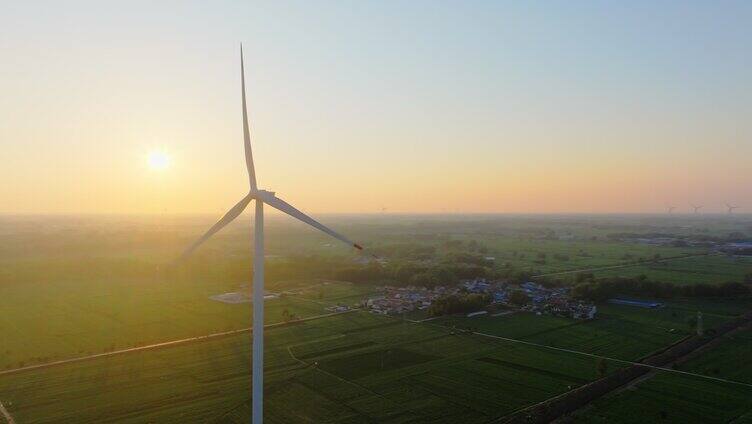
{"points": [[376, 214]]}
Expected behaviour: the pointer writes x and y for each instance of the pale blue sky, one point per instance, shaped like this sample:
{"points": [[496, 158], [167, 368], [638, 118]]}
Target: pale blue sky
{"points": [[485, 106]]}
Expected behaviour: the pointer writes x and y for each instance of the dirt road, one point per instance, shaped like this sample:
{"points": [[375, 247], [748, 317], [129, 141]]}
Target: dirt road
{"points": [[163, 344], [5, 414]]}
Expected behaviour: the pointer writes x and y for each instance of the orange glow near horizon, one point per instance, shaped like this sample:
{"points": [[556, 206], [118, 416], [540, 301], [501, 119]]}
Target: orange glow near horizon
{"points": [[445, 112]]}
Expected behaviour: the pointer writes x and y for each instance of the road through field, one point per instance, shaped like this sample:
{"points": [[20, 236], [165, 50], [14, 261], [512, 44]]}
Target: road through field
{"points": [[5, 414], [602, 268], [165, 344]]}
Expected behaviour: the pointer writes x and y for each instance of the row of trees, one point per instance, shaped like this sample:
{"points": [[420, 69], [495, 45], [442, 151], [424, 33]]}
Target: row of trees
{"points": [[605, 288], [424, 252], [407, 273], [458, 303], [734, 236]]}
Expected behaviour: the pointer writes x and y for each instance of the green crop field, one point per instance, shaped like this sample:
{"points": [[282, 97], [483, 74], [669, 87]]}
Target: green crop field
{"points": [[77, 287], [703, 269], [729, 359], [674, 398], [349, 368], [562, 256], [620, 332], [69, 319], [686, 398]]}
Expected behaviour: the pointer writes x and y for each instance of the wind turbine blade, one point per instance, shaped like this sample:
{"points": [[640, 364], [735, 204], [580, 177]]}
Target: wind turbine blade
{"points": [[228, 218], [246, 130], [287, 208]]}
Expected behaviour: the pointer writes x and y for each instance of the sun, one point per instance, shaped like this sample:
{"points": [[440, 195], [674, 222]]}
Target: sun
{"points": [[158, 160]]}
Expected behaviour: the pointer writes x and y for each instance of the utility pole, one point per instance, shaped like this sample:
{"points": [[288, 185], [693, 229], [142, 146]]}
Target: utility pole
{"points": [[699, 323]]}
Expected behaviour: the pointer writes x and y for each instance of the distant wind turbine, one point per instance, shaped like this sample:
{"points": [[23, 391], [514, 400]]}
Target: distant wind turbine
{"points": [[696, 207], [731, 208], [261, 197], [670, 209]]}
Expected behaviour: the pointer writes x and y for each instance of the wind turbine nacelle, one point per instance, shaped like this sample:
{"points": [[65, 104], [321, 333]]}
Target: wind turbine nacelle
{"points": [[260, 194]]}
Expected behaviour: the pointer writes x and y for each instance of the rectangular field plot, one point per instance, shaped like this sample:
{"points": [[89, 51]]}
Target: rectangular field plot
{"points": [[365, 364], [561, 256], [620, 332], [515, 325], [673, 398], [66, 319], [685, 398], [715, 269], [728, 359]]}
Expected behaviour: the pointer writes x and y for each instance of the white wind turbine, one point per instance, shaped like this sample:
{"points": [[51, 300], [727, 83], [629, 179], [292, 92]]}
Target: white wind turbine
{"points": [[696, 207], [261, 197], [730, 208]]}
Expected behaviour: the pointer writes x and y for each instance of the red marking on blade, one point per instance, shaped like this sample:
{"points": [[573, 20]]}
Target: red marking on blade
{"points": [[357, 246]]}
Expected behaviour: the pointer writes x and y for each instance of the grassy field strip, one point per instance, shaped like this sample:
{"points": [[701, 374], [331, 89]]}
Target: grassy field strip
{"points": [[165, 344], [6, 414], [603, 268]]}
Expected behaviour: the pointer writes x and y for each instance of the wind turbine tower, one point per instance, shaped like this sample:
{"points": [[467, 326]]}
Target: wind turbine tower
{"points": [[262, 197], [696, 208], [670, 209], [731, 208]]}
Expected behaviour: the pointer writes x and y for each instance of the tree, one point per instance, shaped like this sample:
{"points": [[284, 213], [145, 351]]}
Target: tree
{"points": [[584, 276], [519, 298], [602, 367], [405, 272], [458, 303], [692, 321]]}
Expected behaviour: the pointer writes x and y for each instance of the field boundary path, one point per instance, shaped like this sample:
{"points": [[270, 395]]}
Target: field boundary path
{"points": [[4, 412], [166, 344], [631, 264]]}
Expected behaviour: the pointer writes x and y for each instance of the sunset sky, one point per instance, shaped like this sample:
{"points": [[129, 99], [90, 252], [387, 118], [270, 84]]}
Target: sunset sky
{"points": [[418, 106]]}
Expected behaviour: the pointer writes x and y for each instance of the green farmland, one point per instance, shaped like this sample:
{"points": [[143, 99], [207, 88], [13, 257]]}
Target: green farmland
{"points": [[562, 256], [349, 368], [701, 269], [683, 398], [730, 359], [75, 319], [673, 398], [620, 332], [76, 288]]}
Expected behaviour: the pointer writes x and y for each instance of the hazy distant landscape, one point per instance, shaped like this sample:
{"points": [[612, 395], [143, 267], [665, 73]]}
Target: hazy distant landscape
{"points": [[332, 212], [96, 287]]}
